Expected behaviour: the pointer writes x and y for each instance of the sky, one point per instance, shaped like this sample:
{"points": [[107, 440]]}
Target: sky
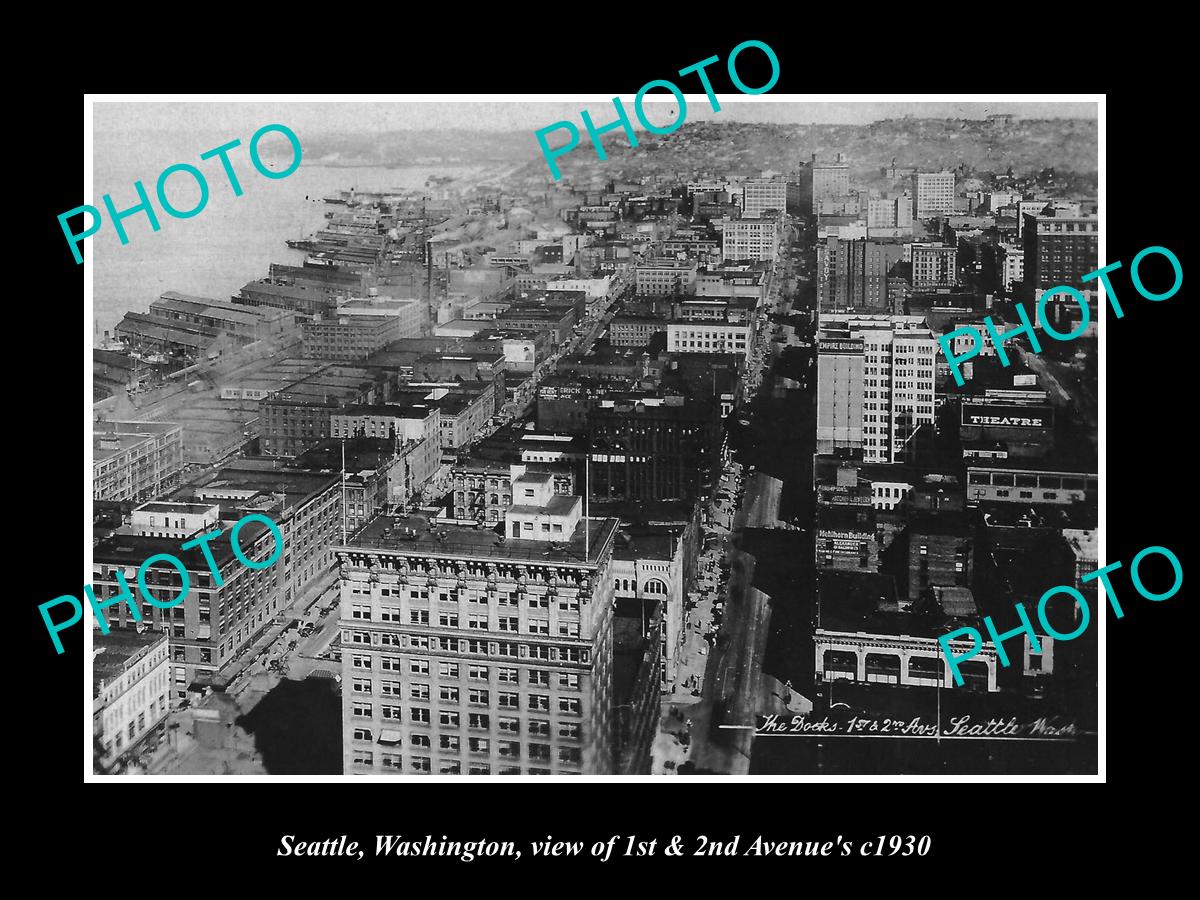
{"points": [[531, 112]]}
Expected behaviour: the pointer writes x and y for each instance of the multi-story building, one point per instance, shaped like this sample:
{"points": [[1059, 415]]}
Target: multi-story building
{"points": [[934, 193], [934, 267], [648, 577], [483, 489], [761, 195], [217, 618], [1003, 481], [399, 422], [1060, 250], [853, 274], [131, 689], [634, 331], [707, 337], [1003, 266], [349, 338], [135, 460], [666, 277], [642, 450], [305, 504], [297, 417], [862, 636], [875, 384], [829, 181], [890, 212], [465, 653], [733, 281], [1026, 208], [750, 239]]}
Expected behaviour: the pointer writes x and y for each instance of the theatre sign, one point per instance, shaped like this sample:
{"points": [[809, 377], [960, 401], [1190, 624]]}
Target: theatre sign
{"points": [[1007, 415]]}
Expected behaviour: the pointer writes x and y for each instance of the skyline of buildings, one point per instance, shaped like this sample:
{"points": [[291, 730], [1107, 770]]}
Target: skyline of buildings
{"points": [[506, 454]]}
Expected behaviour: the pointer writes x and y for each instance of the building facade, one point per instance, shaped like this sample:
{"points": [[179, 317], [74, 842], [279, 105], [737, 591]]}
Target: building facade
{"points": [[760, 195], [135, 460], [131, 688], [463, 655], [707, 337], [934, 266], [875, 384], [854, 273], [934, 194], [750, 239], [1060, 250], [829, 181]]}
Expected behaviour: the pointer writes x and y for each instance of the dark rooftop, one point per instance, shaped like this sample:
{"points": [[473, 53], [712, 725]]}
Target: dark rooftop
{"points": [[851, 602]]}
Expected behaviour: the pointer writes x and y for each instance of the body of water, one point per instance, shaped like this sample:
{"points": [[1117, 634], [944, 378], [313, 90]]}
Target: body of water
{"points": [[231, 241]]}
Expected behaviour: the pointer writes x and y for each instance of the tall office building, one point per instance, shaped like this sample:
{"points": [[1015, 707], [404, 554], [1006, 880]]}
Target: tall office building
{"points": [[760, 195], [935, 194], [854, 273], [750, 239], [890, 212], [470, 652], [934, 266], [1059, 250], [829, 180], [875, 384]]}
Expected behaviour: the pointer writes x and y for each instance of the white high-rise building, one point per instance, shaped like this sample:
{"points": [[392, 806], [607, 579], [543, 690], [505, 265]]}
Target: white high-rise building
{"points": [[762, 195], [750, 239], [875, 384], [935, 194]]}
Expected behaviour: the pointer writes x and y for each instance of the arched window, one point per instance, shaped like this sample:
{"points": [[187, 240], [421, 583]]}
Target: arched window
{"points": [[656, 586]]}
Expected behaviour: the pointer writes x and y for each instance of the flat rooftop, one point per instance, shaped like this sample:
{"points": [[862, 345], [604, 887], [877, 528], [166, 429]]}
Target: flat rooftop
{"points": [[111, 652], [187, 509], [850, 602], [386, 532]]}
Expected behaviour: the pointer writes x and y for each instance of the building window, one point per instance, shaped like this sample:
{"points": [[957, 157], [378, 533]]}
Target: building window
{"points": [[362, 734], [509, 749]]}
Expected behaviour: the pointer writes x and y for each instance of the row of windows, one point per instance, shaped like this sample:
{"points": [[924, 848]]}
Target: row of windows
{"points": [[476, 696], [452, 670], [480, 647], [420, 765], [420, 715], [504, 748]]}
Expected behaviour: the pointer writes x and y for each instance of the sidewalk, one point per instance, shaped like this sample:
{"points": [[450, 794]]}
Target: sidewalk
{"points": [[684, 710]]}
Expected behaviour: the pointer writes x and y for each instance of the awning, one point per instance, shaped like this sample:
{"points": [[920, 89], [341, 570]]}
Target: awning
{"points": [[388, 736]]}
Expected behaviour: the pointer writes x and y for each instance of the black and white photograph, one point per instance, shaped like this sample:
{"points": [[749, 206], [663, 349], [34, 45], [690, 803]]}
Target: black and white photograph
{"points": [[631, 438]]}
